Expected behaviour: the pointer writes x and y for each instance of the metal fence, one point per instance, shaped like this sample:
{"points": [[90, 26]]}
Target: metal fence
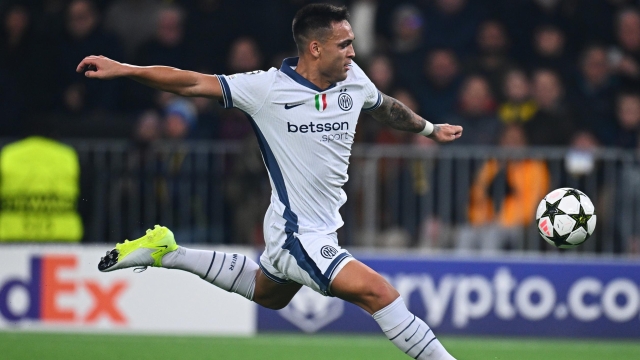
{"points": [[424, 197], [399, 196]]}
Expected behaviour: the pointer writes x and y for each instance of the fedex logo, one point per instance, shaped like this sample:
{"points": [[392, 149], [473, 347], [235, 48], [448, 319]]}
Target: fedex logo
{"points": [[44, 288]]}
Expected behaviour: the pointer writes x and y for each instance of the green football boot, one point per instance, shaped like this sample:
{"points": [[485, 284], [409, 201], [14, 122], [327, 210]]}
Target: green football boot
{"points": [[140, 253]]}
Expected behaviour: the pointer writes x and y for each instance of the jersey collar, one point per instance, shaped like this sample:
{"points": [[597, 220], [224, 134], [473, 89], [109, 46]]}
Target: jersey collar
{"points": [[286, 68]]}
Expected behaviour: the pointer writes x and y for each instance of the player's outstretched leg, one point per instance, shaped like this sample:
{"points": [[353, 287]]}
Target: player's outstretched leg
{"points": [[360, 285], [231, 272]]}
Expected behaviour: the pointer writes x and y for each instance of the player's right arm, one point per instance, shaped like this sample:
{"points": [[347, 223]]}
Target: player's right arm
{"points": [[165, 78], [397, 115]]}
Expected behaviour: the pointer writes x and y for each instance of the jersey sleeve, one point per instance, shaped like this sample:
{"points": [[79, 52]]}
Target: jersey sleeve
{"points": [[245, 91], [372, 97]]}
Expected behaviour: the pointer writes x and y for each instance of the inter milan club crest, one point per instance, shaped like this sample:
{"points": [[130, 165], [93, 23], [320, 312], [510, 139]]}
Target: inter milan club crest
{"points": [[328, 252], [345, 101]]}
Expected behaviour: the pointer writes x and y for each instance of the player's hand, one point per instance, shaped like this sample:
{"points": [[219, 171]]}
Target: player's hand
{"points": [[445, 132], [100, 67]]}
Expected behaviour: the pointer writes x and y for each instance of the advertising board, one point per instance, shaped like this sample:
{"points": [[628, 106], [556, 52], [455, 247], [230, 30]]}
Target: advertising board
{"points": [[560, 297], [60, 288]]}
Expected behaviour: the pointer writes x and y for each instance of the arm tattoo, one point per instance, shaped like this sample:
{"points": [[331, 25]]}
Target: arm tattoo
{"points": [[436, 129], [398, 116]]}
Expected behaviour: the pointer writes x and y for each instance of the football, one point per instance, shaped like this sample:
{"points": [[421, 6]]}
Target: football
{"points": [[566, 218]]}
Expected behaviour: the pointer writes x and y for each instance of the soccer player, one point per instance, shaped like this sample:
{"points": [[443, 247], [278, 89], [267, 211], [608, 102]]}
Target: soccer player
{"points": [[304, 116]]}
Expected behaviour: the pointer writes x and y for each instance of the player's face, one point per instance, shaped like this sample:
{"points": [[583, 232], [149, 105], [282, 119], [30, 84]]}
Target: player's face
{"points": [[337, 52]]}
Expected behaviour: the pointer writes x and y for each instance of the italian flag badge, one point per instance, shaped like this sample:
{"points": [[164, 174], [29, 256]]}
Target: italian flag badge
{"points": [[321, 102]]}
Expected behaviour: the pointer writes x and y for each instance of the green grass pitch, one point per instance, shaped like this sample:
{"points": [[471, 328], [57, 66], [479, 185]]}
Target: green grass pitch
{"points": [[48, 346]]}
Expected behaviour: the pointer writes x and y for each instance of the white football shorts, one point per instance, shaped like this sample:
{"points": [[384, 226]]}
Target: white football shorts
{"points": [[309, 259]]}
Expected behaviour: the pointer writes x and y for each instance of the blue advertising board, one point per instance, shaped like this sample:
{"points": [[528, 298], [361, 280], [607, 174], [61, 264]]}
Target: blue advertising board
{"points": [[563, 297]]}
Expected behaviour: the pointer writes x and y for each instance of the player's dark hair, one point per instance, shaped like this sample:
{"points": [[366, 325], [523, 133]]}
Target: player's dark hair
{"points": [[314, 22]]}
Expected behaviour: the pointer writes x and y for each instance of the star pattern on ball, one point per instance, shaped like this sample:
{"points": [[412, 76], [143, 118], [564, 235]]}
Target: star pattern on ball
{"points": [[573, 192], [560, 240], [552, 210], [581, 220]]}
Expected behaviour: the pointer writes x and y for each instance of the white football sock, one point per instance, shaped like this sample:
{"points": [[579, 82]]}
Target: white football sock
{"points": [[232, 272], [409, 333]]}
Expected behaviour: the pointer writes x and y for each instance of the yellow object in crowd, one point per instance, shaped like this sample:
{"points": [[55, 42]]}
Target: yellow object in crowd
{"points": [[526, 182], [517, 113], [39, 188]]}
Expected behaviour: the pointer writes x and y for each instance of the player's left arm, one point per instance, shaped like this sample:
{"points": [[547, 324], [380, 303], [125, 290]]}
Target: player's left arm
{"points": [[398, 116]]}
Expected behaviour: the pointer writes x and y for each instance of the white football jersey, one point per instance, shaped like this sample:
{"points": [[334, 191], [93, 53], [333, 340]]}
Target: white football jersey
{"points": [[305, 135]]}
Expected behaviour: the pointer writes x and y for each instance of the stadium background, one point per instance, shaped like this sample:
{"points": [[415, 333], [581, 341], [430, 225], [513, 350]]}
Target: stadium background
{"points": [[548, 92]]}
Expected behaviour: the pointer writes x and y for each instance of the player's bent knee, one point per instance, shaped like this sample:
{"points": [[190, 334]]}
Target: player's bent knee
{"points": [[381, 292], [276, 305], [362, 286], [272, 303], [273, 296]]}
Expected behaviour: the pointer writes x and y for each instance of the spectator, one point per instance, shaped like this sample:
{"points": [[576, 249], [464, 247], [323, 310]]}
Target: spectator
{"points": [[519, 107], [180, 118], [49, 19], [597, 19], [166, 48], [208, 118], [247, 192], [503, 198], [492, 60], [579, 161], [438, 89], [381, 73], [588, 173], [593, 94], [83, 37], [15, 40], [476, 113], [270, 23], [563, 14], [214, 23], [549, 52], [363, 17], [134, 21], [628, 115], [244, 56], [407, 50], [396, 184], [147, 128], [234, 125], [553, 122], [453, 23], [408, 24], [16, 82], [625, 57]]}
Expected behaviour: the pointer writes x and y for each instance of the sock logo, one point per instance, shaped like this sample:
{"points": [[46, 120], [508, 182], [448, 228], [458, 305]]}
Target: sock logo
{"points": [[328, 252], [234, 259]]}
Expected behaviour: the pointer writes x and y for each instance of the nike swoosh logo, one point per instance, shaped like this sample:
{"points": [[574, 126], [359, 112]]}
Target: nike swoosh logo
{"points": [[287, 106], [162, 246]]}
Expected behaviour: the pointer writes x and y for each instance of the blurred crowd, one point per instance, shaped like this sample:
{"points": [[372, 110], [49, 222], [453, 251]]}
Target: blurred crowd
{"points": [[513, 73], [564, 71]]}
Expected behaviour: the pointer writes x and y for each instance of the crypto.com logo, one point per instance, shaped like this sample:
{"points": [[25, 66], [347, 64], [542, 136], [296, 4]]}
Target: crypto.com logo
{"points": [[44, 287], [311, 311]]}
